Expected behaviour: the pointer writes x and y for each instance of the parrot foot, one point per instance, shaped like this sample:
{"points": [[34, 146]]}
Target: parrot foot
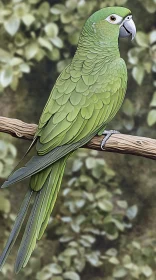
{"points": [[108, 134]]}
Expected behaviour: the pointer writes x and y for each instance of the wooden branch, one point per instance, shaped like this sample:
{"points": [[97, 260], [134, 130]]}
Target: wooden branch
{"points": [[17, 128], [118, 143]]}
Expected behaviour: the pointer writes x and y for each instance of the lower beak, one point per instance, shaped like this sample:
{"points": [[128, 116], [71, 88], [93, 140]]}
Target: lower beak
{"points": [[127, 29]]}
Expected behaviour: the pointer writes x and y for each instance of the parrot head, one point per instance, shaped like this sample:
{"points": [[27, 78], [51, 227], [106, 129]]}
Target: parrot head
{"points": [[112, 22]]}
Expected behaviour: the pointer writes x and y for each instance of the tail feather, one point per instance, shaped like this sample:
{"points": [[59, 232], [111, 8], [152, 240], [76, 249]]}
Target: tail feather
{"points": [[51, 201], [28, 239], [40, 213], [44, 187], [16, 228]]}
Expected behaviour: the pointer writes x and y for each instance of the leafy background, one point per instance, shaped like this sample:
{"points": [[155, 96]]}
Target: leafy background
{"points": [[103, 226]]}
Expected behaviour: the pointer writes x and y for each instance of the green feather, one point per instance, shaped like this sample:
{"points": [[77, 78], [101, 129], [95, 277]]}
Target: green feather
{"points": [[70, 87], [75, 98], [87, 112], [81, 86], [59, 116], [63, 99], [73, 114]]}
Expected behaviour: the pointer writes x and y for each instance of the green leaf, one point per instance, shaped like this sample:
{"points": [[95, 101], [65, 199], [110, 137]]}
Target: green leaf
{"points": [[89, 238], [142, 39], [74, 38], [15, 61], [85, 243], [151, 119], [61, 65], [109, 172], [54, 54], [153, 102], [4, 12], [152, 37], [14, 83], [44, 274], [147, 271], [114, 260], [58, 9], [6, 76], [136, 245], [83, 7], [132, 212], [65, 239], [28, 19], [66, 17], [12, 25], [128, 108], [102, 193], [133, 55], [80, 203], [89, 196], [55, 268], [31, 50], [122, 203], [5, 56], [40, 54], [120, 273], [75, 227], [90, 162], [21, 9], [57, 42], [48, 271], [25, 68], [129, 124], [70, 252], [51, 29], [112, 252], [70, 275], [105, 205], [93, 258], [44, 9], [20, 40], [118, 224], [45, 43], [97, 172], [138, 74], [77, 165], [71, 4]]}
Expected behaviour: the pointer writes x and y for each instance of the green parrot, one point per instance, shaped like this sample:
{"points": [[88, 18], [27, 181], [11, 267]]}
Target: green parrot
{"points": [[86, 96]]}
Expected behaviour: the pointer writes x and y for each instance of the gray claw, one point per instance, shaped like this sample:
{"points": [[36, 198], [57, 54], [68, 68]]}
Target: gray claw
{"points": [[108, 134]]}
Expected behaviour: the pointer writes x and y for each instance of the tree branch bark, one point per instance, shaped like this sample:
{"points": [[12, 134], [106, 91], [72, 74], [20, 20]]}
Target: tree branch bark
{"points": [[117, 143]]}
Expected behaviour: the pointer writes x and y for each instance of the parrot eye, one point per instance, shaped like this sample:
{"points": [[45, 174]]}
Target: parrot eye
{"points": [[112, 18]]}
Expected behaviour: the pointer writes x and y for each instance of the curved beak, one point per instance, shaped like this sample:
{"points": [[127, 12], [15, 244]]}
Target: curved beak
{"points": [[127, 28]]}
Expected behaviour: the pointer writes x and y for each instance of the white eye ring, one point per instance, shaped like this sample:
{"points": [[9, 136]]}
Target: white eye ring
{"points": [[114, 19]]}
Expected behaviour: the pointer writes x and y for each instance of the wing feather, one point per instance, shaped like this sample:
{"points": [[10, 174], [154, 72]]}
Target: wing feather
{"points": [[80, 100]]}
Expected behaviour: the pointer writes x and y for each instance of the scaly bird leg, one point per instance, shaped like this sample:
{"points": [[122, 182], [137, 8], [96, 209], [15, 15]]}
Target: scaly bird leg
{"points": [[108, 134]]}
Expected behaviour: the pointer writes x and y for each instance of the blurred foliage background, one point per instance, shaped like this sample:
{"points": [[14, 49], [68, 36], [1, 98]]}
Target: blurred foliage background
{"points": [[103, 226]]}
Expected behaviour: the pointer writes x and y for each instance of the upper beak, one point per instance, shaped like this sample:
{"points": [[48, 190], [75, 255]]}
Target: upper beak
{"points": [[127, 28]]}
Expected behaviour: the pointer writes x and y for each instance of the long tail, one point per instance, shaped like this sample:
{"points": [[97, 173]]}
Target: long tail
{"points": [[44, 200]]}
